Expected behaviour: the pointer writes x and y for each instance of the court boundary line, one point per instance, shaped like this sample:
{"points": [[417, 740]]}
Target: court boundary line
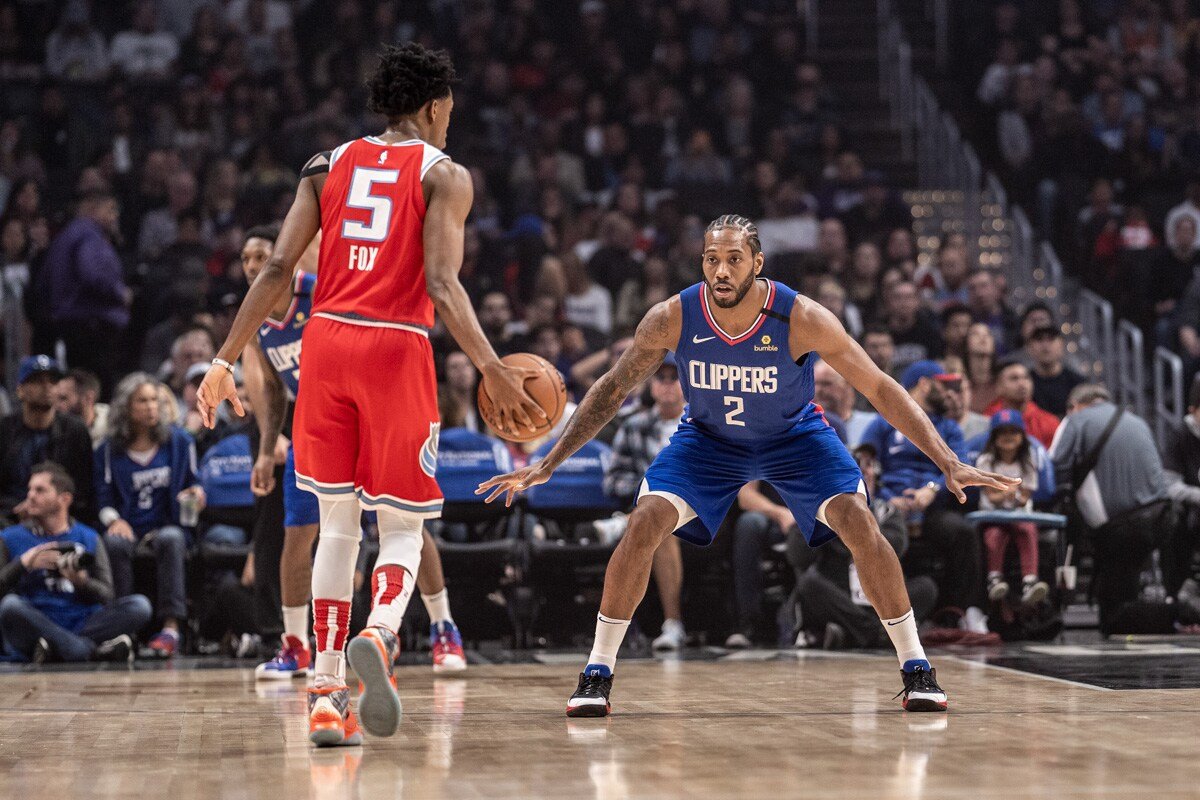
{"points": [[1015, 671]]}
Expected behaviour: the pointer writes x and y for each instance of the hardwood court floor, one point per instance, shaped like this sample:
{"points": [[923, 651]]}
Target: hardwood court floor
{"points": [[816, 726]]}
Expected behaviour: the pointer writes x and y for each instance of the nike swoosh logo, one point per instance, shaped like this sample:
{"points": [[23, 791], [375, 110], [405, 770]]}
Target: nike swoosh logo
{"points": [[902, 619], [698, 340]]}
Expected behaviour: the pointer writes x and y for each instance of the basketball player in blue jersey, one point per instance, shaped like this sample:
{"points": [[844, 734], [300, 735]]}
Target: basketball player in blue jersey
{"points": [[272, 373], [745, 347]]}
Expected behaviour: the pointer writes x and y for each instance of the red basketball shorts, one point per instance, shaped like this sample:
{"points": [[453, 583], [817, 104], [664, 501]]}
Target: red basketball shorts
{"points": [[366, 421]]}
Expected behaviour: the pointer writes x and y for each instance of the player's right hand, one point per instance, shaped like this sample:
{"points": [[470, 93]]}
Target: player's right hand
{"points": [[515, 409], [217, 385], [514, 482], [262, 477]]}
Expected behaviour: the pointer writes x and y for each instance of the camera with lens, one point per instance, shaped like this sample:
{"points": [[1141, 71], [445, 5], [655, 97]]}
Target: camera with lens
{"points": [[74, 556]]}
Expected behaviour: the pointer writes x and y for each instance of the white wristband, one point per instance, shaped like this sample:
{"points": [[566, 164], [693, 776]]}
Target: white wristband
{"points": [[223, 363], [108, 515]]}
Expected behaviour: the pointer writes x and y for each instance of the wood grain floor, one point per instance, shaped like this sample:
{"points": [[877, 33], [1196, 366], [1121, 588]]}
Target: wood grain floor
{"points": [[813, 727]]}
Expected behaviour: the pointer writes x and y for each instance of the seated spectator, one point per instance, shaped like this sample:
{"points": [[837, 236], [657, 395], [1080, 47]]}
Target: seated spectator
{"points": [[914, 333], [945, 284], [862, 282], [37, 433], [956, 324], [1124, 507], [764, 524], [1007, 452], [1168, 274], [980, 367], [145, 473], [957, 390], [586, 302], [462, 380], [145, 53], [639, 439], [832, 296], [56, 586], [638, 295], [986, 302], [1053, 380], [1181, 470], [912, 483], [834, 610], [878, 213], [1014, 390], [76, 393], [836, 396], [495, 317], [194, 346], [1035, 315]]}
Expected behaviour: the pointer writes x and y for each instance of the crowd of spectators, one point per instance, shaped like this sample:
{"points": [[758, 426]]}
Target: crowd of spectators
{"points": [[139, 142], [1088, 111]]}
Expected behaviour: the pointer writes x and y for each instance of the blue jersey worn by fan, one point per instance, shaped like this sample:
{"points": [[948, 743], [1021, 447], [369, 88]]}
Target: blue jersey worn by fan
{"points": [[749, 416], [280, 340]]}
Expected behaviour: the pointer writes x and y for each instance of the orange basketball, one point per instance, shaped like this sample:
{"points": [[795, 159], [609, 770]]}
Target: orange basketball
{"points": [[546, 388]]}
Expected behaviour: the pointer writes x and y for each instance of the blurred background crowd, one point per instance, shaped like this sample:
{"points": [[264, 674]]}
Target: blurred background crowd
{"points": [[140, 141]]}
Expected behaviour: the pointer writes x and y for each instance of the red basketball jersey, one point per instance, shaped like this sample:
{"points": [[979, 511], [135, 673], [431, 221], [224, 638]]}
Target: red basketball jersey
{"points": [[372, 260]]}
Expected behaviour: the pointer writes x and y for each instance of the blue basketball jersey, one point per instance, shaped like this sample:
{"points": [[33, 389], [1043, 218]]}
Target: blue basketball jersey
{"points": [[280, 339], [744, 388]]}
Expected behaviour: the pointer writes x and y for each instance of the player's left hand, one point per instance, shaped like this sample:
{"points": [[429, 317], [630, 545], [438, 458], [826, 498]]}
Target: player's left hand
{"points": [[217, 385], [959, 476]]}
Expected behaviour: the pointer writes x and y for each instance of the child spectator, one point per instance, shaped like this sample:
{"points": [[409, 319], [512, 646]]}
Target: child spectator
{"points": [[1007, 452]]}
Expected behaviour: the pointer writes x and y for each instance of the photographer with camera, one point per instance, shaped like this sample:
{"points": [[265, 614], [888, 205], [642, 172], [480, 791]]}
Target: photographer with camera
{"points": [[56, 590]]}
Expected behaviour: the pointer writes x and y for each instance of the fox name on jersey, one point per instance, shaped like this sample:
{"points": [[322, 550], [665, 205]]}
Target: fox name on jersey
{"points": [[733, 378]]}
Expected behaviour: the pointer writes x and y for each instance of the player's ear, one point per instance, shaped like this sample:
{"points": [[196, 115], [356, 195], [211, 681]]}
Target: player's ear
{"points": [[758, 263]]}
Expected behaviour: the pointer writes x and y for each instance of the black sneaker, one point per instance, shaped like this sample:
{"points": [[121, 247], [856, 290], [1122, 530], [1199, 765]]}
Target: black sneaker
{"points": [[921, 691], [119, 648], [591, 696]]}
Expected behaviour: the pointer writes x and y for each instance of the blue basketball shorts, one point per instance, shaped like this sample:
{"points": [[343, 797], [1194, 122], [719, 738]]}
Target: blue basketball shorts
{"points": [[807, 466], [299, 507]]}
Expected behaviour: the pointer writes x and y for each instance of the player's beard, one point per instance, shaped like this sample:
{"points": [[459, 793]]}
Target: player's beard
{"points": [[738, 293]]}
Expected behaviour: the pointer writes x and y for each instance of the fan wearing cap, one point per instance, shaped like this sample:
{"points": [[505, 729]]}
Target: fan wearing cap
{"points": [[1008, 451], [1053, 380], [913, 484], [37, 433], [1014, 390]]}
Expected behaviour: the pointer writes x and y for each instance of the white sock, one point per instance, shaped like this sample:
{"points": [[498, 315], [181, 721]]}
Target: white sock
{"points": [[903, 632], [438, 606], [295, 622], [333, 583], [609, 635], [394, 577]]}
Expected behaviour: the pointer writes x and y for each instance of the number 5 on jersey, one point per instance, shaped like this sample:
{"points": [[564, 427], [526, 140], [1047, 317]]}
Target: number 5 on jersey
{"points": [[375, 229]]}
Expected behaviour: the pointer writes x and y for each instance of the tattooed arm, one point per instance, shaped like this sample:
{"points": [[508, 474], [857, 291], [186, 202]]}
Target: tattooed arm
{"points": [[657, 333]]}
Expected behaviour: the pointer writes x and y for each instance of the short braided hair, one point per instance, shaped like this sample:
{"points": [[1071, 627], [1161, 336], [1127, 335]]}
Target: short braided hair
{"points": [[408, 77], [740, 223]]}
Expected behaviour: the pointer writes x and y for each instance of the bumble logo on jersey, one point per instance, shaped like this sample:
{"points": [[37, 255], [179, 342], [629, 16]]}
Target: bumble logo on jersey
{"points": [[765, 346]]}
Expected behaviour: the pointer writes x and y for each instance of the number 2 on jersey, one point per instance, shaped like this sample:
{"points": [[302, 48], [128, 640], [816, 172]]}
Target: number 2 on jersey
{"points": [[380, 205], [738, 408]]}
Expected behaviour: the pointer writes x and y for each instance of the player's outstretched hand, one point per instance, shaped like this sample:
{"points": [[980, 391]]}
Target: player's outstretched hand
{"points": [[217, 385], [513, 482], [959, 476], [515, 409]]}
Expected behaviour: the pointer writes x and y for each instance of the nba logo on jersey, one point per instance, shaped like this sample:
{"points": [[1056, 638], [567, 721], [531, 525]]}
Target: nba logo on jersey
{"points": [[383, 157]]}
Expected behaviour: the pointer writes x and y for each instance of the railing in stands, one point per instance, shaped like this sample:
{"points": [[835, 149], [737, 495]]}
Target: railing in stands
{"points": [[1130, 377], [1168, 392], [1106, 349]]}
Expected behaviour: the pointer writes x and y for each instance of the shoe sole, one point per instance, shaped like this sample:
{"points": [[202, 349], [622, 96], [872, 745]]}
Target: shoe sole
{"points": [[1036, 596], [379, 707], [998, 594], [457, 665], [590, 710], [922, 704]]}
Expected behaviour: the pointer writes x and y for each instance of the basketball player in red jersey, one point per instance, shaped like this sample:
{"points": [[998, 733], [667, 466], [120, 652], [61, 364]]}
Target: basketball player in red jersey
{"points": [[391, 210]]}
